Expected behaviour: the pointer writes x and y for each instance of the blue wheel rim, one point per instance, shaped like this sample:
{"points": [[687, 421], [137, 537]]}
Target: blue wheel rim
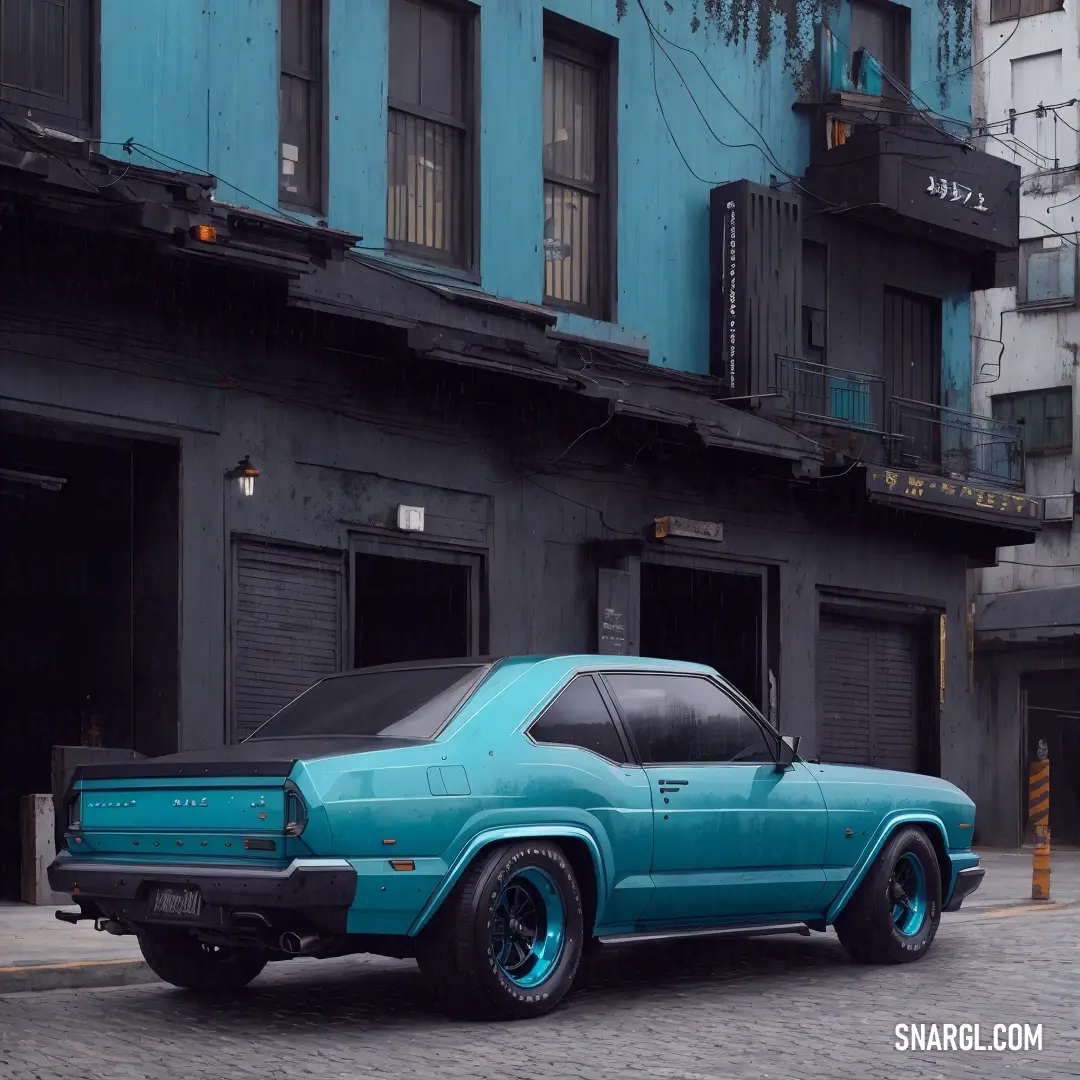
{"points": [[908, 894], [528, 927]]}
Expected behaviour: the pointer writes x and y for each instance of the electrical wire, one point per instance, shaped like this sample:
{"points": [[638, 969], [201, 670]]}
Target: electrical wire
{"points": [[30, 141], [1054, 206], [1059, 117], [913, 100], [1049, 231], [555, 460], [655, 33], [1041, 566], [671, 134], [162, 159], [981, 60]]}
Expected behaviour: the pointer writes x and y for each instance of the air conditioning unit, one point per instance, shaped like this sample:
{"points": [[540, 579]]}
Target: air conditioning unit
{"points": [[1058, 507]]}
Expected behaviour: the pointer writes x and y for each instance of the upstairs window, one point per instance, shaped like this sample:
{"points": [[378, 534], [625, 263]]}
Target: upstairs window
{"points": [[430, 195], [46, 62], [300, 106], [1045, 415], [884, 31], [578, 188], [1000, 10], [1047, 274]]}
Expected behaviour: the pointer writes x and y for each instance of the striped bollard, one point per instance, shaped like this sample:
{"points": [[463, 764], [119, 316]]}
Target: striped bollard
{"points": [[1039, 816]]}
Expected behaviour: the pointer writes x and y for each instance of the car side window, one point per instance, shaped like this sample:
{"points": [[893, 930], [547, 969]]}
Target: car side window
{"points": [[685, 718], [579, 717]]}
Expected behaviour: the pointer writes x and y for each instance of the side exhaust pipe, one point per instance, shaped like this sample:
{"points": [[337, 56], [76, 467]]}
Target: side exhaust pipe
{"points": [[297, 944]]}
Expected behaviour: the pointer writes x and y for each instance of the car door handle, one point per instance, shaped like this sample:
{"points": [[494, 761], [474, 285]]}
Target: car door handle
{"points": [[671, 786]]}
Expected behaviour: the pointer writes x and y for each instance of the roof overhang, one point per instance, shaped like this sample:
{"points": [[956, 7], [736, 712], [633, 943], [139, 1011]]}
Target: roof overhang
{"points": [[61, 180], [1004, 518], [466, 326], [1028, 616], [46, 176]]}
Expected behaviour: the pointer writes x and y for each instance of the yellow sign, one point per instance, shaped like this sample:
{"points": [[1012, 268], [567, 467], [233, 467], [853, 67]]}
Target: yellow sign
{"points": [[941, 654]]}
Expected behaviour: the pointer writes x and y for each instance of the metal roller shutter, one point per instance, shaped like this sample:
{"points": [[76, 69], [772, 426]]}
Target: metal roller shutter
{"points": [[286, 627], [867, 703]]}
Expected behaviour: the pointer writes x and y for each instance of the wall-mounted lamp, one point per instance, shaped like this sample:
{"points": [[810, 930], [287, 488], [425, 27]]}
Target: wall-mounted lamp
{"points": [[244, 474]]}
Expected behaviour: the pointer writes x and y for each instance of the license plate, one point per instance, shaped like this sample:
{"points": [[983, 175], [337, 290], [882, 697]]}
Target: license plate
{"points": [[178, 902]]}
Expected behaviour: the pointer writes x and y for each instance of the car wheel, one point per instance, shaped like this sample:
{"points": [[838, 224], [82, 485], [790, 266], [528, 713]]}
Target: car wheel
{"points": [[507, 941], [176, 957], [894, 914]]}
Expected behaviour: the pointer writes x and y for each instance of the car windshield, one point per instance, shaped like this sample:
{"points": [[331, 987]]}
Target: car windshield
{"points": [[407, 704]]}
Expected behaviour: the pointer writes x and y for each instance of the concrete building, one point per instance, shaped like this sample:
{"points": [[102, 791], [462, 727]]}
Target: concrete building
{"points": [[1024, 357], [586, 326]]}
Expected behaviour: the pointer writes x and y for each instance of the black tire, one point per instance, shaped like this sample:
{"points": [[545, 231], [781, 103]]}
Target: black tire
{"points": [[456, 953], [176, 957], [867, 927]]}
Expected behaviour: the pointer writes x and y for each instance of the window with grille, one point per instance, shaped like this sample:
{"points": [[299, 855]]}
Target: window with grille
{"points": [[46, 62], [429, 139], [577, 189], [300, 106], [1044, 415], [1047, 272]]}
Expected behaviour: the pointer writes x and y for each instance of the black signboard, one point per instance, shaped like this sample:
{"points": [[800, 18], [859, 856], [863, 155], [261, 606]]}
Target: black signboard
{"points": [[951, 186], [729, 311], [924, 182], [755, 297], [969, 497]]}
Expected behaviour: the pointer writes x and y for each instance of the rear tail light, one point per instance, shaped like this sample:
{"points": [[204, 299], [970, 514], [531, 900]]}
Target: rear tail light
{"points": [[295, 810], [74, 808]]}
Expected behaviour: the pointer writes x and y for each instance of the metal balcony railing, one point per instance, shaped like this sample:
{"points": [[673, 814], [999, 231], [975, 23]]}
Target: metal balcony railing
{"points": [[829, 395], [959, 445]]}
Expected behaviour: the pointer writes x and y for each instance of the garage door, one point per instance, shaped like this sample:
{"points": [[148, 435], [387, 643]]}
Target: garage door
{"points": [[867, 696], [286, 627]]}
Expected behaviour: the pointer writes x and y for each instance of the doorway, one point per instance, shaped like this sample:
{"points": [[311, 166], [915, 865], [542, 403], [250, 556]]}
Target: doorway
{"points": [[912, 366], [705, 616], [1053, 730], [868, 692], [411, 603], [90, 556]]}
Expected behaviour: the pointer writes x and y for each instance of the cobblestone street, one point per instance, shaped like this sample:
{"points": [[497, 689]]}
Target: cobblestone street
{"points": [[771, 1008]]}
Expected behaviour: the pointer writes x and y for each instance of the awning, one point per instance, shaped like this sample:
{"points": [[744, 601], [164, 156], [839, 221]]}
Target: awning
{"points": [[1028, 616], [466, 326], [1007, 517]]}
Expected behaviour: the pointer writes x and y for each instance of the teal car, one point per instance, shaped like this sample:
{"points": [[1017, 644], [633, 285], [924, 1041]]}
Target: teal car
{"points": [[495, 819]]}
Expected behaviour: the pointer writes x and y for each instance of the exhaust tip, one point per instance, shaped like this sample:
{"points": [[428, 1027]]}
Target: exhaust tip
{"points": [[294, 943]]}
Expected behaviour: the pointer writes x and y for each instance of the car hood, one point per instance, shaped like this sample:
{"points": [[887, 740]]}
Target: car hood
{"points": [[880, 792], [871, 774]]}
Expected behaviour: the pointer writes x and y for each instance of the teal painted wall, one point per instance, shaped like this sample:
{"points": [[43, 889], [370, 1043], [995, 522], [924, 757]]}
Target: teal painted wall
{"points": [[196, 82], [956, 352]]}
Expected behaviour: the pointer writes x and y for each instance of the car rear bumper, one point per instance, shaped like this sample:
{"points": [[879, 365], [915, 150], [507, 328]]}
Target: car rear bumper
{"points": [[967, 881], [316, 890]]}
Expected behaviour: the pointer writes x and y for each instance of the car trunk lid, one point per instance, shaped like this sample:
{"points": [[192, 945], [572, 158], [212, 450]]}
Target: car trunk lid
{"points": [[221, 804]]}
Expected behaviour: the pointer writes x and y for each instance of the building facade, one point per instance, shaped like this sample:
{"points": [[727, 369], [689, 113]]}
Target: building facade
{"points": [[348, 332], [1024, 369]]}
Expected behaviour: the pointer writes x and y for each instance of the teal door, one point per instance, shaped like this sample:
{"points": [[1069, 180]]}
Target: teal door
{"points": [[732, 837]]}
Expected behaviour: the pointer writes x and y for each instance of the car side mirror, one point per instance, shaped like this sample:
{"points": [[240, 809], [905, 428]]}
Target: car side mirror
{"points": [[787, 750]]}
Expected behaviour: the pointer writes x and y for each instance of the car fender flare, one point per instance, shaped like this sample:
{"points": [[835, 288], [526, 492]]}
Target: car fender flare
{"points": [[873, 849], [511, 832]]}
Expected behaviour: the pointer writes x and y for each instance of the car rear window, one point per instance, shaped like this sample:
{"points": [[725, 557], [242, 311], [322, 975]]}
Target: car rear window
{"points": [[406, 704]]}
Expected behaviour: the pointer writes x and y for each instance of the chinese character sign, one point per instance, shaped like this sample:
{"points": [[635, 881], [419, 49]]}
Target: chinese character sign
{"points": [[943, 189]]}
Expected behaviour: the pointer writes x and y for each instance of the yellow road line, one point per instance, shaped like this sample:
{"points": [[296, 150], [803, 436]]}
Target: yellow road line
{"points": [[67, 966], [1026, 908]]}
